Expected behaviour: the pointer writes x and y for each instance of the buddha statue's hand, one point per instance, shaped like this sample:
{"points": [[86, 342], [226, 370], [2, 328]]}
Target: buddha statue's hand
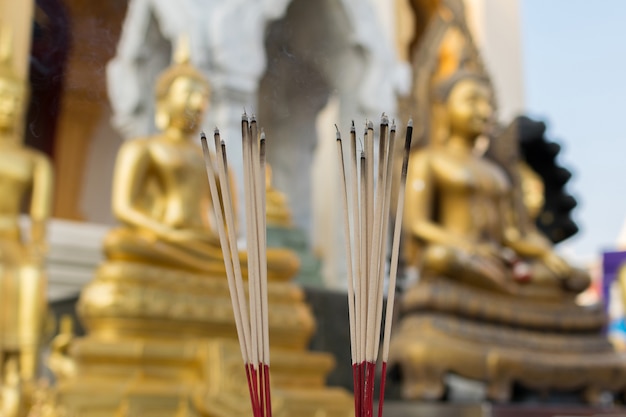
{"points": [[556, 264]]}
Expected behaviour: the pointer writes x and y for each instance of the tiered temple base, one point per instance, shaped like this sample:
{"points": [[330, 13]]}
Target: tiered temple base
{"points": [[451, 328], [202, 377], [163, 343]]}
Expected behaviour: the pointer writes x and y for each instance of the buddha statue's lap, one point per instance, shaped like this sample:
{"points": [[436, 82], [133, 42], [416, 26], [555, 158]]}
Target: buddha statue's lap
{"points": [[472, 269], [126, 244]]}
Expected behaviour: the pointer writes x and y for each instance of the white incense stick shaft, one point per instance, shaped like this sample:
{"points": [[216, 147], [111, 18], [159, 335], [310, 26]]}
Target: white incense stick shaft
{"points": [[232, 238], [252, 267], [387, 181], [356, 239], [230, 274], [395, 249], [379, 247], [254, 243], [263, 249], [346, 213], [364, 246], [374, 278]]}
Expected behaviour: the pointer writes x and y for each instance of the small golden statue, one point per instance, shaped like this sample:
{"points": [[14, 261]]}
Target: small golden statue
{"points": [[493, 302], [277, 211], [23, 172], [161, 331]]}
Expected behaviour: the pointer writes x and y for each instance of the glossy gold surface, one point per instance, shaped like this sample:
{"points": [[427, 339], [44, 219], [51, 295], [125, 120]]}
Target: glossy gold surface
{"points": [[161, 333], [494, 302], [460, 212], [25, 178], [160, 193]]}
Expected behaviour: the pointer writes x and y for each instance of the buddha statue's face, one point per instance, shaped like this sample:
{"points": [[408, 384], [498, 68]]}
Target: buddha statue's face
{"points": [[469, 107], [11, 104], [185, 103]]}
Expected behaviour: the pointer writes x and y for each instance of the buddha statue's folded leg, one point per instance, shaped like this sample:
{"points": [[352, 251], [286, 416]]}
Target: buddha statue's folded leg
{"points": [[129, 245], [282, 264], [470, 268], [544, 280], [31, 316]]}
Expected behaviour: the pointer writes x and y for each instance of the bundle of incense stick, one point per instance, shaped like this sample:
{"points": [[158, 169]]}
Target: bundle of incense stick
{"points": [[251, 320], [366, 199]]}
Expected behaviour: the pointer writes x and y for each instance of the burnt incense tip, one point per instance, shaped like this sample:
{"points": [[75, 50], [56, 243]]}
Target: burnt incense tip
{"points": [[384, 120], [410, 123], [370, 125], [222, 143], [202, 135], [362, 155], [216, 131], [253, 118], [262, 135]]}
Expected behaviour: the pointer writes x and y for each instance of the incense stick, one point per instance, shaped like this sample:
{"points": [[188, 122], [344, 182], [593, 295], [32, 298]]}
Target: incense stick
{"points": [[366, 250], [386, 147], [263, 266], [349, 258], [395, 251], [252, 265], [233, 271], [252, 321]]}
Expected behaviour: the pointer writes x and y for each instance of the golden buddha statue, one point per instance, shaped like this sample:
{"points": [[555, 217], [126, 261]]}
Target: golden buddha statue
{"points": [[161, 337], [493, 302], [460, 210], [24, 173], [160, 194]]}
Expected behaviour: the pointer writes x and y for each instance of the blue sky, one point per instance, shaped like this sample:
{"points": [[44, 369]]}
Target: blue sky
{"points": [[574, 54]]}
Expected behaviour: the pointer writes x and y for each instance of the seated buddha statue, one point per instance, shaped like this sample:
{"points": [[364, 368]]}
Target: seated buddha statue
{"points": [[461, 214], [160, 189], [493, 302], [25, 182]]}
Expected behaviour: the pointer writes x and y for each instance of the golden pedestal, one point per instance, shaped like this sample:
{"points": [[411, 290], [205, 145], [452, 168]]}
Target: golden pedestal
{"points": [[501, 340], [163, 343]]}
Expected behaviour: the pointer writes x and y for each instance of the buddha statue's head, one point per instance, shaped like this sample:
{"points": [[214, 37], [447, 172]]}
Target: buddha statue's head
{"points": [[182, 94], [467, 100], [13, 91]]}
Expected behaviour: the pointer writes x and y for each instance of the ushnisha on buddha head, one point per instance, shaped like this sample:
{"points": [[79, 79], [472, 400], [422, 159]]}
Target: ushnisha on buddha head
{"points": [[182, 94]]}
